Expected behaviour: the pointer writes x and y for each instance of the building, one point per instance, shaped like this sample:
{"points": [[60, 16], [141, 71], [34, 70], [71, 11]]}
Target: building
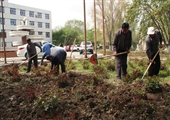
{"points": [[14, 15]]}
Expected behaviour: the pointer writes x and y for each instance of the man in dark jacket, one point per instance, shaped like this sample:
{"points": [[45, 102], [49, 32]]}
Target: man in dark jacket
{"points": [[122, 43], [153, 39], [57, 58], [32, 54]]}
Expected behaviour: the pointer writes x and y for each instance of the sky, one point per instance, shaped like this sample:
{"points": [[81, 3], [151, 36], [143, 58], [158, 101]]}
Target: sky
{"points": [[61, 10]]}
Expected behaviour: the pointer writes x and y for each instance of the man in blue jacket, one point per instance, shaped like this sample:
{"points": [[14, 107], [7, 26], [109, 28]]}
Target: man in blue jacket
{"points": [[46, 49], [57, 58]]}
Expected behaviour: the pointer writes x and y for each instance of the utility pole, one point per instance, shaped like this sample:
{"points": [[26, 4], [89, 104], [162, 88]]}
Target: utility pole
{"points": [[104, 42], [3, 33], [95, 27], [85, 52]]}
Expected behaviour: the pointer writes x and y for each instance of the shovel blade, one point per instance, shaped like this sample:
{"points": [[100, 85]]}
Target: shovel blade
{"points": [[93, 59]]}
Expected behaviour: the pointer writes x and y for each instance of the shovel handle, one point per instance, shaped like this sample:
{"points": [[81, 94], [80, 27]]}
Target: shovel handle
{"points": [[29, 58], [150, 64], [120, 53]]}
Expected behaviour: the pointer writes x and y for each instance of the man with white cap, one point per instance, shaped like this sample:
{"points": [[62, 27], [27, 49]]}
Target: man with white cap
{"points": [[152, 47]]}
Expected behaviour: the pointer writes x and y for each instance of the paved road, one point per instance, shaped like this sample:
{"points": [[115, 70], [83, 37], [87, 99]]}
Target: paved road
{"points": [[73, 55]]}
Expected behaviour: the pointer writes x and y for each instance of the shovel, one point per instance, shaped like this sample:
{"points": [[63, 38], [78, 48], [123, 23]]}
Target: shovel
{"points": [[94, 58], [29, 59], [150, 64]]}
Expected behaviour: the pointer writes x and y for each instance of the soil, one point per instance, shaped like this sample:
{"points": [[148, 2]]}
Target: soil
{"points": [[78, 96]]}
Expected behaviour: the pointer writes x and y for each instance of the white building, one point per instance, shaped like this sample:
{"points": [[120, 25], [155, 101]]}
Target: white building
{"points": [[14, 14]]}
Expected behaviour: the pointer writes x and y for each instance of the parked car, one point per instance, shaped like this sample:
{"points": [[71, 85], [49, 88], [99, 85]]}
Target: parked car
{"points": [[89, 47], [73, 48], [78, 47], [22, 50], [67, 48]]}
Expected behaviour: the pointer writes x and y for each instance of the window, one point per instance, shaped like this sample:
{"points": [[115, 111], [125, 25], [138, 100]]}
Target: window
{"points": [[47, 34], [47, 25], [13, 11], [22, 12], [32, 33], [31, 13], [32, 23], [40, 24], [39, 15], [40, 33], [46, 16], [13, 21], [1, 21], [1, 9]]}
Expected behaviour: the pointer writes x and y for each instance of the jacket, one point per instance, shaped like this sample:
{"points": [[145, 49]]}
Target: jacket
{"points": [[46, 48], [122, 42], [59, 56], [31, 49], [152, 45]]}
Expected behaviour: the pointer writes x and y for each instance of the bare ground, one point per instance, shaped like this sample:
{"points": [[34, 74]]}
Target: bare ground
{"points": [[77, 96]]}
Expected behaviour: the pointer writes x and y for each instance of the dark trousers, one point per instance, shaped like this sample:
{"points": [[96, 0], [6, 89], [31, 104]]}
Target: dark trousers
{"points": [[63, 68], [155, 67], [43, 57], [30, 63], [121, 65]]}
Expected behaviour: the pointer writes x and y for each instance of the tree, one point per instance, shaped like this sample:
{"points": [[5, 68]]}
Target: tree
{"points": [[90, 35], [66, 35], [151, 13], [115, 12]]}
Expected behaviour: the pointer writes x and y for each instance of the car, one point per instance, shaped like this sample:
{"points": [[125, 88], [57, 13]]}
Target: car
{"points": [[67, 48], [22, 50], [75, 47], [89, 47], [78, 47]]}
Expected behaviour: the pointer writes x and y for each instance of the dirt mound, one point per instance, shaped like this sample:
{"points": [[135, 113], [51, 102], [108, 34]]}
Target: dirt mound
{"points": [[77, 96]]}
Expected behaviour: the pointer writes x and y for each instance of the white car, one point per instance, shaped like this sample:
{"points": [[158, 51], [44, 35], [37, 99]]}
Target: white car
{"points": [[89, 47], [74, 48], [22, 50]]}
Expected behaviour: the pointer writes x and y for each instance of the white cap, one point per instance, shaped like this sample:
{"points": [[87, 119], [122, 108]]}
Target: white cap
{"points": [[151, 31]]}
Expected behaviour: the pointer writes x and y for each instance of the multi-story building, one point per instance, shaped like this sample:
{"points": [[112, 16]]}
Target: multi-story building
{"points": [[13, 14]]}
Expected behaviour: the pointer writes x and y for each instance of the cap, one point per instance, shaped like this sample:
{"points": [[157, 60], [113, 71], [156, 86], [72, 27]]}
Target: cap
{"points": [[151, 31], [28, 40]]}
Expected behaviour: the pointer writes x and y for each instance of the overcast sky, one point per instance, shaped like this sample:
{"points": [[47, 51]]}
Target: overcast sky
{"points": [[61, 10]]}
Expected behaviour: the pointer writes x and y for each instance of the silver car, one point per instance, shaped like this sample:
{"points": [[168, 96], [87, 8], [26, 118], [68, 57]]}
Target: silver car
{"points": [[89, 47]]}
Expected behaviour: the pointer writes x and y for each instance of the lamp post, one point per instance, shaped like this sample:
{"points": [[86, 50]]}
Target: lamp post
{"points": [[104, 42], [84, 6], [3, 33]]}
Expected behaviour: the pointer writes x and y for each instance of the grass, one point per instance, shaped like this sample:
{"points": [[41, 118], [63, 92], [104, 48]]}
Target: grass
{"points": [[105, 68]]}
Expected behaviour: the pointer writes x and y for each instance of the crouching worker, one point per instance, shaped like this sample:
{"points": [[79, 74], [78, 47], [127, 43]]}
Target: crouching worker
{"points": [[57, 58]]}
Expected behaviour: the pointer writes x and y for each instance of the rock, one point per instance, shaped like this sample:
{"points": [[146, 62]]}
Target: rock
{"points": [[152, 96]]}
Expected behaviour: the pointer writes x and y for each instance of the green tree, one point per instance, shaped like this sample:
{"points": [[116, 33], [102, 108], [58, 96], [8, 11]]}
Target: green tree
{"points": [[90, 35], [151, 13], [73, 29], [115, 12]]}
